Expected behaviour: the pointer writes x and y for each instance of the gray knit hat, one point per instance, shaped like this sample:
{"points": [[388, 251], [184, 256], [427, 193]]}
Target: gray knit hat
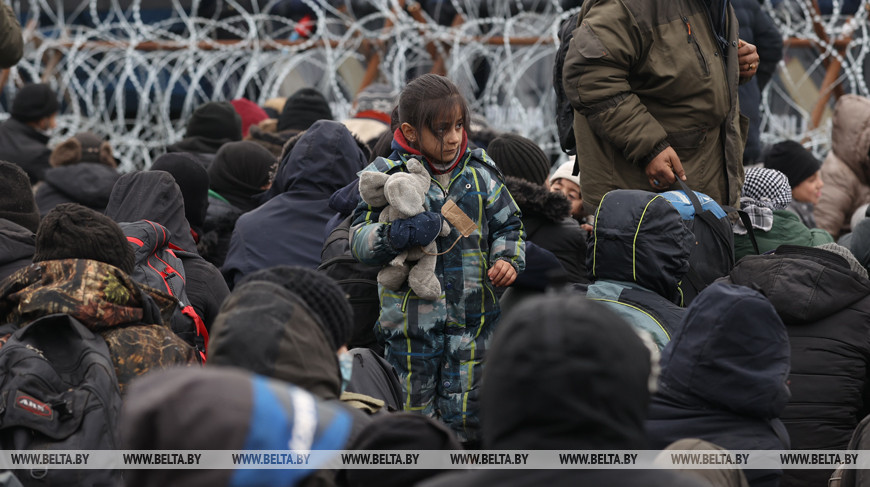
{"points": [[846, 254]]}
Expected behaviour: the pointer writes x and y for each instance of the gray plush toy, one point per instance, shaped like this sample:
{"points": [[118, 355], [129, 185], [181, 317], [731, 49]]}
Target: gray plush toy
{"points": [[404, 195]]}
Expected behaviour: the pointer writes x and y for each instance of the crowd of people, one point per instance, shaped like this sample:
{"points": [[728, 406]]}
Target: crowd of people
{"points": [[405, 280]]}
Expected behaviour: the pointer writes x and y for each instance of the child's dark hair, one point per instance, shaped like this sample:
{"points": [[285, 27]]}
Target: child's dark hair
{"points": [[427, 100]]}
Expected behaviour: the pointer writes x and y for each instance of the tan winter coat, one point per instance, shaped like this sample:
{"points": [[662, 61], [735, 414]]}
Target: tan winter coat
{"points": [[846, 170], [643, 75], [11, 42]]}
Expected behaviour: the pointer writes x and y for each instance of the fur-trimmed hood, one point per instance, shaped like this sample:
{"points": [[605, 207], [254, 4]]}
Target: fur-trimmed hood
{"points": [[535, 199]]}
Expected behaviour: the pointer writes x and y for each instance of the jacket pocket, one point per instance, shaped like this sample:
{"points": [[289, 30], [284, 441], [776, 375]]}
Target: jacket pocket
{"points": [[690, 139], [690, 36]]}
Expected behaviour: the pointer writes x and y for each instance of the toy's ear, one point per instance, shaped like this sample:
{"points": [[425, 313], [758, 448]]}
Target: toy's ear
{"points": [[403, 193], [415, 167], [371, 188], [420, 175]]}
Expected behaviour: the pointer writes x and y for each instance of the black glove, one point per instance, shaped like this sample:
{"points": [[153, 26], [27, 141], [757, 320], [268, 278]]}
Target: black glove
{"points": [[417, 230]]}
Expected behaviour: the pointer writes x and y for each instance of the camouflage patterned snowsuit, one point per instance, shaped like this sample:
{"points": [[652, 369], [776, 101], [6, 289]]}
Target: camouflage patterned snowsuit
{"points": [[439, 347]]}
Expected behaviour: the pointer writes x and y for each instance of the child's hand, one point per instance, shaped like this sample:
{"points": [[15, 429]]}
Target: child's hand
{"points": [[502, 273]]}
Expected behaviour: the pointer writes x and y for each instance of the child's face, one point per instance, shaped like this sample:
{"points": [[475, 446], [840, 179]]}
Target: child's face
{"points": [[809, 190], [444, 143], [572, 192]]}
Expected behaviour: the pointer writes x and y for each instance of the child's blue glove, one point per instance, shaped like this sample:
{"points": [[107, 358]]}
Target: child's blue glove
{"points": [[417, 230]]}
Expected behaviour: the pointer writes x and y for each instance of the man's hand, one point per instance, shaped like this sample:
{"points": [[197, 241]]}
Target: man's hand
{"points": [[662, 169], [502, 273], [747, 59]]}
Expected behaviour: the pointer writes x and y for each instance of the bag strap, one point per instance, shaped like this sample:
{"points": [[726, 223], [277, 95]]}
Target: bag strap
{"points": [[696, 203], [747, 224]]}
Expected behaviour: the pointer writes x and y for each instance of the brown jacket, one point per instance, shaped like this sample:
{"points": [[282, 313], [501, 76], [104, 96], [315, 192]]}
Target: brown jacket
{"points": [[846, 170], [643, 75], [11, 42], [130, 317]]}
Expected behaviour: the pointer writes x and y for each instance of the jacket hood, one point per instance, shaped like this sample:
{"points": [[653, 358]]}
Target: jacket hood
{"points": [[151, 195], [850, 135], [325, 159], [264, 328], [731, 352], [99, 295], [805, 284], [16, 242], [535, 199], [640, 237], [582, 374], [87, 183]]}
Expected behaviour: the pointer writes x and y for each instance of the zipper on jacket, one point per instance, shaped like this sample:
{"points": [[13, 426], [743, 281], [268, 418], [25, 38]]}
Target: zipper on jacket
{"points": [[694, 41]]}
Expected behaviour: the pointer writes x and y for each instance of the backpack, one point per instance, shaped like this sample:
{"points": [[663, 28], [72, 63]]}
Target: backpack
{"points": [[159, 266], [713, 254], [359, 281], [564, 110], [58, 391]]}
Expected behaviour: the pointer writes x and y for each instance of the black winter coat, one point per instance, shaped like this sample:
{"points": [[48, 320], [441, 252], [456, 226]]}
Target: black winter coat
{"points": [[23, 145], [289, 228], [86, 183], [548, 223], [217, 229], [17, 245], [826, 310], [723, 377], [153, 195]]}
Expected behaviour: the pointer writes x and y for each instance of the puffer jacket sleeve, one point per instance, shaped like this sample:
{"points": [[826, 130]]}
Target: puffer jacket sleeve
{"points": [[606, 45], [369, 241], [11, 42], [504, 219], [838, 199]]}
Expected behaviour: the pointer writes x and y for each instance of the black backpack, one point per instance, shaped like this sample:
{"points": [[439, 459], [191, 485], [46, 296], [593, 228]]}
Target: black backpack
{"points": [[359, 281], [58, 391], [713, 254], [564, 110], [159, 266]]}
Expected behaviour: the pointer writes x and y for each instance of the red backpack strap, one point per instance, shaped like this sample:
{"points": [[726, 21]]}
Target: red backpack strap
{"points": [[201, 331]]}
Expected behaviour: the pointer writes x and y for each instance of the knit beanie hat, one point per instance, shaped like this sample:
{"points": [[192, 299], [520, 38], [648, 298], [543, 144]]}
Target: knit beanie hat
{"points": [[519, 157], [767, 187], [379, 97], [566, 171], [793, 160], [215, 120], [240, 170], [16, 200], [400, 431], [34, 102], [847, 254], [225, 408], [82, 147], [302, 109], [250, 112], [192, 180], [326, 300], [73, 231]]}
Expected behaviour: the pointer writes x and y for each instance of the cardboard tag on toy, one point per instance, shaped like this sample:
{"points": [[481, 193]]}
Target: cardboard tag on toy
{"points": [[458, 218]]}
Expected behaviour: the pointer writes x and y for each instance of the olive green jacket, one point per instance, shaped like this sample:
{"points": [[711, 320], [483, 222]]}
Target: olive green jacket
{"points": [[643, 75], [11, 42]]}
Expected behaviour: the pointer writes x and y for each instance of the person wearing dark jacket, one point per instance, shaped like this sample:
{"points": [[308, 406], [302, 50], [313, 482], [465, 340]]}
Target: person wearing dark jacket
{"points": [[211, 125], [82, 171], [637, 255], [154, 195], [300, 111], [723, 377], [824, 300], [23, 136], [19, 220], [565, 374], [240, 171], [757, 28], [289, 228]]}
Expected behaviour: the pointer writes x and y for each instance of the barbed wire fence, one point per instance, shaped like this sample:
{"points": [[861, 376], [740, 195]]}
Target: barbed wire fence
{"points": [[134, 72]]}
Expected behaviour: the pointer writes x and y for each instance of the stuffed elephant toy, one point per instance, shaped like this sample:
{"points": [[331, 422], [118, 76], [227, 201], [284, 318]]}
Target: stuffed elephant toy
{"points": [[403, 194]]}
